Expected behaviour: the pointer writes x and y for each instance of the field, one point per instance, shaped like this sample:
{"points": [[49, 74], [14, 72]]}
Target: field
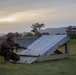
{"points": [[58, 67]]}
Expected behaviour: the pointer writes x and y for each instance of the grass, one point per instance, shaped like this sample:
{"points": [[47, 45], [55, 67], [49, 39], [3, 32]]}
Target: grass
{"points": [[58, 67]]}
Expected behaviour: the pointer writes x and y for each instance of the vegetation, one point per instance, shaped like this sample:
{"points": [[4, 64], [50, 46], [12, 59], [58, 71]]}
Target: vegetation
{"points": [[71, 32], [17, 34], [36, 31], [58, 67], [28, 34]]}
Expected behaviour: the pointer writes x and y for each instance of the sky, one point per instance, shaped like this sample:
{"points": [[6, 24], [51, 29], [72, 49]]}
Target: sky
{"points": [[19, 15]]}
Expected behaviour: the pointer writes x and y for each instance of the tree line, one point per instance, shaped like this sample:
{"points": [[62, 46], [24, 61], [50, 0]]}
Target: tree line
{"points": [[37, 31]]}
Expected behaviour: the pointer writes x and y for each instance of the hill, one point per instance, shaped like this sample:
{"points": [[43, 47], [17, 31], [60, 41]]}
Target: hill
{"points": [[60, 30]]}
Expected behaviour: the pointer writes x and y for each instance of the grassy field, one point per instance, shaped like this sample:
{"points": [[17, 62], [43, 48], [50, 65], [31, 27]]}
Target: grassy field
{"points": [[58, 67]]}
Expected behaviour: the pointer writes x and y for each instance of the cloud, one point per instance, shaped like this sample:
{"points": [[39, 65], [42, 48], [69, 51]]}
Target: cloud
{"points": [[21, 5], [23, 13], [25, 16], [49, 14]]}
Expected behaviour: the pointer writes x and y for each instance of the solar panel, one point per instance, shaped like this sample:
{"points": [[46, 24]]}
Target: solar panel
{"points": [[42, 48]]}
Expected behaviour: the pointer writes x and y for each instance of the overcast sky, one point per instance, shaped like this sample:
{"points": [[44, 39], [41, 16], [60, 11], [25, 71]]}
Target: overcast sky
{"points": [[19, 15]]}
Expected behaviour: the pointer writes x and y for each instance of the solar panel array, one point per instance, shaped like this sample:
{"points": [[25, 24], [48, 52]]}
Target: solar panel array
{"points": [[42, 47]]}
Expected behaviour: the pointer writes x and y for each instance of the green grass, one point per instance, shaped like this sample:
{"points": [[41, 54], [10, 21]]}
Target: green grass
{"points": [[72, 42], [58, 67]]}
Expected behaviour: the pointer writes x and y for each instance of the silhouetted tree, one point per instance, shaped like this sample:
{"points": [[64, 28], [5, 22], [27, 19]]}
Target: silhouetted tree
{"points": [[17, 34], [28, 34], [58, 34], [71, 32], [36, 29], [45, 33]]}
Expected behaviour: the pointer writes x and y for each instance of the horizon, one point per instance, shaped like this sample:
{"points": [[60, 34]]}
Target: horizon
{"points": [[19, 15], [42, 29]]}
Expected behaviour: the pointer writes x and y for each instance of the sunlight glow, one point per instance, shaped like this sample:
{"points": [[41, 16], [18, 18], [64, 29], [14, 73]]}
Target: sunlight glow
{"points": [[8, 19]]}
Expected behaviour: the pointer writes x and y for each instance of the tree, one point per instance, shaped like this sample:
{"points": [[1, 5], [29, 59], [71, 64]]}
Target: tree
{"points": [[45, 33], [17, 34], [28, 34], [71, 32], [58, 34], [36, 29]]}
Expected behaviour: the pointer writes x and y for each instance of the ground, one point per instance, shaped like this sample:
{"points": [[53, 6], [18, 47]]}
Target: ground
{"points": [[58, 67]]}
